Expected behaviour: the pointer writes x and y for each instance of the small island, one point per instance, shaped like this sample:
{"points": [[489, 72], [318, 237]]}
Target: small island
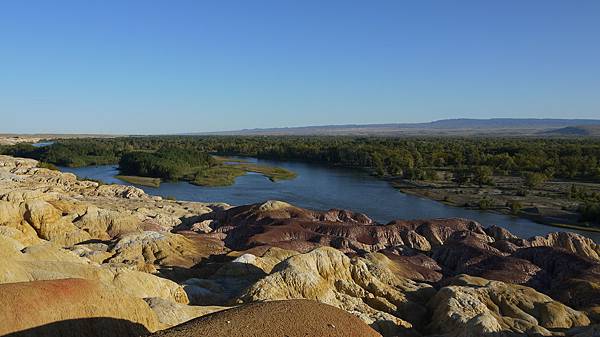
{"points": [[142, 181], [226, 173]]}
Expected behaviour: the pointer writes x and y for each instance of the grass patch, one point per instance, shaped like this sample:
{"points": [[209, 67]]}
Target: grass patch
{"points": [[143, 181], [271, 172], [49, 166], [222, 175], [225, 174]]}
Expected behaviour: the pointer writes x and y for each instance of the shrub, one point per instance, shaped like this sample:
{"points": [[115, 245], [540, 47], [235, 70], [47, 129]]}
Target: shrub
{"points": [[534, 179], [47, 166], [590, 212], [515, 207], [486, 203]]}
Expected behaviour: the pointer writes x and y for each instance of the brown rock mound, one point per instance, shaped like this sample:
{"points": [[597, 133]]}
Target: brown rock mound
{"points": [[275, 223], [293, 318], [72, 307]]}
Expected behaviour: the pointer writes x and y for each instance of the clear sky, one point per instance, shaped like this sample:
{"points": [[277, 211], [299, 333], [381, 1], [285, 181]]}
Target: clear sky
{"points": [[164, 66]]}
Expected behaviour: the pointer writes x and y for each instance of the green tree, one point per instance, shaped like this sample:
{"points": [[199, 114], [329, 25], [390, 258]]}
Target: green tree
{"points": [[483, 175], [461, 176], [590, 212], [534, 179], [378, 164], [486, 203]]}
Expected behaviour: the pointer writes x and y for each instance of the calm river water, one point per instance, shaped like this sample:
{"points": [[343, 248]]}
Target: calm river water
{"points": [[320, 187]]}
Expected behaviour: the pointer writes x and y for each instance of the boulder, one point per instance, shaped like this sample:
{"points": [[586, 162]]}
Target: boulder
{"points": [[72, 307]]}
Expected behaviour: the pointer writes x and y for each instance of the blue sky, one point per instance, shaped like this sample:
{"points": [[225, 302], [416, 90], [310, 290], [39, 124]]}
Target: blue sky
{"points": [[182, 66]]}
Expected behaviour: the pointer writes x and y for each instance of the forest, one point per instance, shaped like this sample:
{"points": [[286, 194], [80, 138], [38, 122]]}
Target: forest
{"points": [[167, 163], [463, 160]]}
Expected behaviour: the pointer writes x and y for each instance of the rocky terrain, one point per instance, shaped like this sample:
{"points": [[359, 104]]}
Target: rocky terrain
{"points": [[82, 259], [16, 139], [12, 139]]}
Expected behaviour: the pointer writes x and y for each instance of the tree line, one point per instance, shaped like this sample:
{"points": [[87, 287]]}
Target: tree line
{"points": [[468, 160], [410, 158]]}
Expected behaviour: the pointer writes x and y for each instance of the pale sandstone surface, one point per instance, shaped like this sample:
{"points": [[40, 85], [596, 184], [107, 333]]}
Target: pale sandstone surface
{"points": [[361, 286], [474, 306], [56, 227]]}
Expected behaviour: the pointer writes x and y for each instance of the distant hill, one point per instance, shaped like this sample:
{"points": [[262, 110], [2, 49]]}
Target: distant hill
{"points": [[521, 123], [445, 127], [581, 130]]}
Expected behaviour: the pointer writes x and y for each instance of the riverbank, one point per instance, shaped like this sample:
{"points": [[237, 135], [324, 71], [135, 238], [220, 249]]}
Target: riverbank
{"points": [[548, 204]]}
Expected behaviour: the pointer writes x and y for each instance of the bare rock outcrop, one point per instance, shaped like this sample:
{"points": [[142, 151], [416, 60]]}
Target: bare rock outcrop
{"points": [[48, 262], [224, 283], [275, 223], [473, 306], [56, 206], [147, 249], [72, 307], [571, 242], [161, 254], [361, 286]]}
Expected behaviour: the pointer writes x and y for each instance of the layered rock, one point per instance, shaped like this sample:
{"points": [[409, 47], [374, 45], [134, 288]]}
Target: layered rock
{"points": [[276, 223], [570, 242], [473, 306], [55, 206], [224, 283], [46, 261], [365, 287], [54, 227]]}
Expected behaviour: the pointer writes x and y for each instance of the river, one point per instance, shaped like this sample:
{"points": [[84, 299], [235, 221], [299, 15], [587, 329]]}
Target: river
{"points": [[322, 187], [43, 144]]}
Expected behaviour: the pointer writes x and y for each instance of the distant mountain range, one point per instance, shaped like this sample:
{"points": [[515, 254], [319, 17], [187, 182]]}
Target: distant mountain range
{"points": [[445, 127]]}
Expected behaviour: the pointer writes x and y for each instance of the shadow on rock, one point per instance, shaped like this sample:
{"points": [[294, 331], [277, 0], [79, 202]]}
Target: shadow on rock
{"points": [[90, 327]]}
